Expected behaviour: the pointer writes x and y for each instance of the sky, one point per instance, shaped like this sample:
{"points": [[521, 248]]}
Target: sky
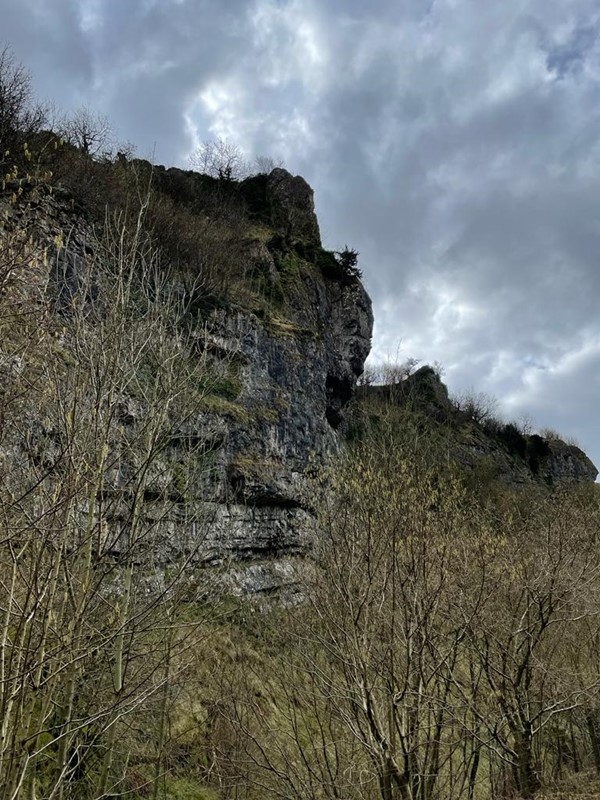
{"points": [[454, 143]]}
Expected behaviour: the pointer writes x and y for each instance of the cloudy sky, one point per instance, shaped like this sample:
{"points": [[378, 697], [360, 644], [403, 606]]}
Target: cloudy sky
{"points": [[454, 143]]}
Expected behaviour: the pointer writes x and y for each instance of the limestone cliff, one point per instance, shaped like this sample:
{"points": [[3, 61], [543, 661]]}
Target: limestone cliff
{"points": [[284, 351]]}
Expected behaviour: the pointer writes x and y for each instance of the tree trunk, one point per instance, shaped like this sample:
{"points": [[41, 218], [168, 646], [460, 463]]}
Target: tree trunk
{"points": [[592, 720], [527, 779], [473, 774]]}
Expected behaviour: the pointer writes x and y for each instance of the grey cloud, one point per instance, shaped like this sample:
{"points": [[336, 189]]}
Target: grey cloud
{"points": [[454, 144], [48, 39], [571, 55]]}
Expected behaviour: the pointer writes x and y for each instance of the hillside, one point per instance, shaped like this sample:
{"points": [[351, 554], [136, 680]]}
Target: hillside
{"points": [[488, 449], [269, 331], [225, 571]]}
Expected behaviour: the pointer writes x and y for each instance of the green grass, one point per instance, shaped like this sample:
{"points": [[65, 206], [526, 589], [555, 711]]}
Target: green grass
{"points": [[226, 408]]}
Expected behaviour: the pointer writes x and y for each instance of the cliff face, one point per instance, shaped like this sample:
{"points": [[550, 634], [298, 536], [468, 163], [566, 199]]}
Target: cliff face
{"points": [[286, 354]]}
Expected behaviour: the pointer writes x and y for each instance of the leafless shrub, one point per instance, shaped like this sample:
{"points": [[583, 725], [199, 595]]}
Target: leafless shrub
{"points": [[263, 165], [476, 406], [551, 434], [221, 159], [90, 131], [20, 116]]}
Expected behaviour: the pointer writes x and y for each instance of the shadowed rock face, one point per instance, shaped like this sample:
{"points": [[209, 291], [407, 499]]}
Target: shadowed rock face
{"points": [[296, 364], [292, 207], [567, 463], [285, 203], [298, 376]]}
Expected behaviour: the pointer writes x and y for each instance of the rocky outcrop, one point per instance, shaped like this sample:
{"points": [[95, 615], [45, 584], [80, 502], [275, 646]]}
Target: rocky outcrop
{"points": [[288, 352], [566, 463], [284, 202], [487, 448]]}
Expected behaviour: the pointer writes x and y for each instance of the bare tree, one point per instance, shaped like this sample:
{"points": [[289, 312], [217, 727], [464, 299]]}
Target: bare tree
{"points": [[88, 130], [477, 406], [221, 159], [385, 566], [393, 373], [263, 165], [93, 624], [531, 599]]}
